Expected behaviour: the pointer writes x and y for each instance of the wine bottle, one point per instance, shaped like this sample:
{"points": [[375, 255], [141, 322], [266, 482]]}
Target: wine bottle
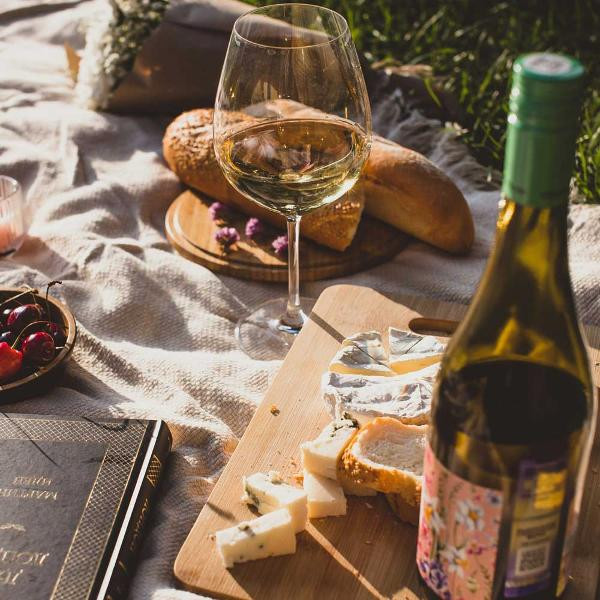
{"points": [[514, 406]]}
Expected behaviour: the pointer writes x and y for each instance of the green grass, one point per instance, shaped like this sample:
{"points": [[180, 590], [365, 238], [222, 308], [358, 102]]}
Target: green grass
{"points": [[471, 45]]}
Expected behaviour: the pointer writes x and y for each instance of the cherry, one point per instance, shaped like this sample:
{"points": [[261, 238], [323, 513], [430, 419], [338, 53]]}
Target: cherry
{"points": [[10, 361], [38, 347], [8, 337], [4, 316], [57, 333], [22, 316]]}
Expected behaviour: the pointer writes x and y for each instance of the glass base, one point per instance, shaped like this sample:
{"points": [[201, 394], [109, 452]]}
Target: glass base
{"points": [[262, 335]]}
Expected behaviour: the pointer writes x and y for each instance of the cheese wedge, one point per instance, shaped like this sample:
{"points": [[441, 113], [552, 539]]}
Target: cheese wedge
{"points": [[269, 535], [268, 492], [321, 455], [325, 496], [363, 398], [362, 354], [412, 352]]}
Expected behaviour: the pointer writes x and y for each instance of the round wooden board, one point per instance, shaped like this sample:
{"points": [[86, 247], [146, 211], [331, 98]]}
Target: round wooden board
{"points": [[191, 231]]}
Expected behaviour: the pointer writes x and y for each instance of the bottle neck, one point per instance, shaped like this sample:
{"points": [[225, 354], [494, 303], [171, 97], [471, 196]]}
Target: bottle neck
{"points": [[531, 242], [524, 307]]}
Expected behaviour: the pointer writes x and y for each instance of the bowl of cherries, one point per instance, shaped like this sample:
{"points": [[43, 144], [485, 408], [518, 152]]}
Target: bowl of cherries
{"points": [[37, 335]]}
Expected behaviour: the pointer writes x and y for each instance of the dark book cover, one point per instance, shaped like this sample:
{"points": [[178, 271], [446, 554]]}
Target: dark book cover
{"points": [[75, 494]]}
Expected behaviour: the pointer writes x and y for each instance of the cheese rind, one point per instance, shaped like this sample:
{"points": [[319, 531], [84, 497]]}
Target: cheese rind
{"points": [[411, 352], [362, 354], [370, 342], [320, 455], [363, 398], [269, 535], [268, 492], [325, 496]]}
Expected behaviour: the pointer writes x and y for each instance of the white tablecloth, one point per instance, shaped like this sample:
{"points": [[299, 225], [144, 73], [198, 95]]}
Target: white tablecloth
{"points": [[156, 331]]}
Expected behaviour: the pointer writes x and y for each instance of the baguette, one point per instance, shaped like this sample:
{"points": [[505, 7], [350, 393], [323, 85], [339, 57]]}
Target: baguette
{"points": [[188, 150], [406, 190], [398, 186]]}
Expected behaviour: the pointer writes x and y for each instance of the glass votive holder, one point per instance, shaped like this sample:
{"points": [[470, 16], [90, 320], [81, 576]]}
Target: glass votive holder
{"points": [[13, 225]]}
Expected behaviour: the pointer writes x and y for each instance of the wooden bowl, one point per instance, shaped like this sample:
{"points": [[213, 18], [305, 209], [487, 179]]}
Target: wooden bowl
{"points": [[47, 375]]}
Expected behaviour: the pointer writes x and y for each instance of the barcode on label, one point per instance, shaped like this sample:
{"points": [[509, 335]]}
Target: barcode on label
{"points": [[532, 559]]}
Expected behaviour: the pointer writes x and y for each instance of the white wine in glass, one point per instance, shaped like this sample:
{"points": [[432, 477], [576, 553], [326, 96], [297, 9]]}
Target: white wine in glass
{"points": [[292, 130]]}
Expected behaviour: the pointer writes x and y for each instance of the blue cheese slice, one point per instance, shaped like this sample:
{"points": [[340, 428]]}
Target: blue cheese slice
{"points": [[363, 398], [270, 535], [325, 496], [268, 492], [362, 354], [320, 455], [412, 352]]}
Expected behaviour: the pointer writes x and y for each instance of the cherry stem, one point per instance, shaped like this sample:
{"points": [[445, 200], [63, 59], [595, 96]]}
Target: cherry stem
{"points": [[29, 291], [48, 286], [27, 328]]}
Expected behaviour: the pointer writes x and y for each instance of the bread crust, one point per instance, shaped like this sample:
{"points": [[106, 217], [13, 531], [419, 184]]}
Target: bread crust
{"points": [[408, 191], [403, 510]]}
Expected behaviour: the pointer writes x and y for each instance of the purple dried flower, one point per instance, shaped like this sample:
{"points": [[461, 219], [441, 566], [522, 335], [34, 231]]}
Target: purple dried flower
{"points": [[253, 227], [437, 577], [280, 244], [217, 211], [227, 236]]}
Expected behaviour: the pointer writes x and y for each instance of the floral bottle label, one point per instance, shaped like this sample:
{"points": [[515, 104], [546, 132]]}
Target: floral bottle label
{"points": [[458, 533]]}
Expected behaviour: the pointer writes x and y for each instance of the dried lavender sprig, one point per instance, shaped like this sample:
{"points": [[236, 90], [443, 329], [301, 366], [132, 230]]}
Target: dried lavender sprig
{"points": [[218, 211], [280, 244], [254, 228], [227, 236]]}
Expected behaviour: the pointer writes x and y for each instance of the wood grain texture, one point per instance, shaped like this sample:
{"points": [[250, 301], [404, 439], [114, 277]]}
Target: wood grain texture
{"points": [[191, 232], [368, 553]]}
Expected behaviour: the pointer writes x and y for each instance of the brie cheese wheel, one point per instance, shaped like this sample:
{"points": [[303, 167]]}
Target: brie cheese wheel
{"points": [[270, 535], [362, 354], [268, 492], [412, 352], [325, 496], [363, 397], [320, 455]]}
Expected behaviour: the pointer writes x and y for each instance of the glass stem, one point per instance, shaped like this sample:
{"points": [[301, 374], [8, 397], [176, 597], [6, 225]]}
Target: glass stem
{"points": [[293, 318]]}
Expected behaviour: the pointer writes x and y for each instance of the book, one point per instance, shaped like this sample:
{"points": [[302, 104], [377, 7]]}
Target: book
{"points": [[75, 494]]}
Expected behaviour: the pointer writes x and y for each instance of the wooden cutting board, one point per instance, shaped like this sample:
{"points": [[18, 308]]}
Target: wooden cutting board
{"points": [[191, 232], [368, 553]]}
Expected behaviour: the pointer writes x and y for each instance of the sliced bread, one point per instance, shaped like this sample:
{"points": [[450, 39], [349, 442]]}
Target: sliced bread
{"points": [[403, 510], [387, 455]]}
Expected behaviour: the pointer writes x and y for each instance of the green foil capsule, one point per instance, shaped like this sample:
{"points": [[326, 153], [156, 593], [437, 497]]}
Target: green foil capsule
{"points": [[544, 107]]}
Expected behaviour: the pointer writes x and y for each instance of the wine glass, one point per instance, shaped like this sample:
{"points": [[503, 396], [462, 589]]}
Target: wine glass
{"points": [[292, 130]]}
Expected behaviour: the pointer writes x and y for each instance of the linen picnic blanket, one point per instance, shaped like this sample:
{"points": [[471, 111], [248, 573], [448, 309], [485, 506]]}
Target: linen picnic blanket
{"points": [[155, 330]]}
